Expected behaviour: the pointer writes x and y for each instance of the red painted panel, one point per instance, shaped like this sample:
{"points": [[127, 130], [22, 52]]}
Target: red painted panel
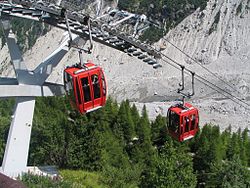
{"points": [[89, 87], [187, 121]]}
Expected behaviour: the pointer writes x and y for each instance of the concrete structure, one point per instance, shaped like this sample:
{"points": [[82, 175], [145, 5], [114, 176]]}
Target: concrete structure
{"points": [[26, 86]]}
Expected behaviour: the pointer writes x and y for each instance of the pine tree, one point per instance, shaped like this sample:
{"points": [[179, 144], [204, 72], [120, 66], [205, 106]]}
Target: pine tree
{"points": [[110, 110], [225, 138], [130, 128], [159, 131], [209, 152], [246, 146], [4, 129], [243, 143], [135, 115], [116, 167], [233, 147], [125, 123], [145, 152], [173, 168], [230, 174], [143, 128]]}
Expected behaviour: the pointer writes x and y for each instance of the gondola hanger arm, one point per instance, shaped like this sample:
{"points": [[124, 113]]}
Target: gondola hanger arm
{"points": [[182, 84], [73, 44]]}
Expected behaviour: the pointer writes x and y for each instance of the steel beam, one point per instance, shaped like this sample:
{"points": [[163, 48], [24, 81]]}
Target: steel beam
{"points": [[26, 86], [17, 148]]}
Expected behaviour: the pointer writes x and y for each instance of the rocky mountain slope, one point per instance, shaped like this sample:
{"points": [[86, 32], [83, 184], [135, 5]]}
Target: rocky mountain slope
{"points": [[217, 37]]}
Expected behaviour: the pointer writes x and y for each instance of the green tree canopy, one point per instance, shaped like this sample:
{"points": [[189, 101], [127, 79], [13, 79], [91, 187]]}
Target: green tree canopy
{"points": [[173, 168]]}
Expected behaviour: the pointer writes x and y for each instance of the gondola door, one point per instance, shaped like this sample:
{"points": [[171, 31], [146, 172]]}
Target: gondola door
{"points": [[194, 122], [70, 88], [84, 82], [189, 127], [186, 127], [96, 89], [92, 90]]}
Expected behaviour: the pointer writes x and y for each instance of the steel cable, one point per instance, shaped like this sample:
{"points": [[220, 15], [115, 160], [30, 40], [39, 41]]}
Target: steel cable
{"points": [[212, 73], [201, 79]]}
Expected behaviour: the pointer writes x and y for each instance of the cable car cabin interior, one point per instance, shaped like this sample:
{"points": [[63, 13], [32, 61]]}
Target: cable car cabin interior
{"points": [[183, 121], [85, 86]]}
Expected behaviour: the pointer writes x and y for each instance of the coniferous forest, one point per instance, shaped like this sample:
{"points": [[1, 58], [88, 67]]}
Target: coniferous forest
{"points": [[119, 147]]}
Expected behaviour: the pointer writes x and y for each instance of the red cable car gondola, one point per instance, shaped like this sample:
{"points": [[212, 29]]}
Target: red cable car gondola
{"points": [[85, 86], [183, 121]]}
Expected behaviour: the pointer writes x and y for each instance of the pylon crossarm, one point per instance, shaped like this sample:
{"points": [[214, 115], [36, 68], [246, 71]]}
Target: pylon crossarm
{"points": [[26, 86], [8, 81], [30, 90]]}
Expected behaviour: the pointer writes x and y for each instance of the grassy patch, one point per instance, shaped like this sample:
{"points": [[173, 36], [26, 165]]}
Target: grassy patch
{"points": [[82, 179], [35, 181]]}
